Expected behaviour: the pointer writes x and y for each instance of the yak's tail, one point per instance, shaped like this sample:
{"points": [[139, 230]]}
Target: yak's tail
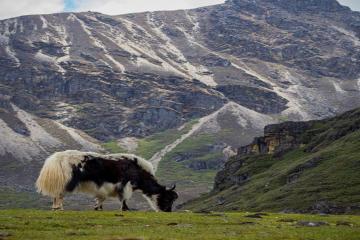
{"points": [[56, 173]]}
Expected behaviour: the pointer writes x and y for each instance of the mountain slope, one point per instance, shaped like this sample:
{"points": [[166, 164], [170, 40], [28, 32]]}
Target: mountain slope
{"points": [[136, 71], [296, 166]]}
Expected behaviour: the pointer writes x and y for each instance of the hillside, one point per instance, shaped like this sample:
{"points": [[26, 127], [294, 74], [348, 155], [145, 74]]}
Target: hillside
{"points": [[296, 167]]}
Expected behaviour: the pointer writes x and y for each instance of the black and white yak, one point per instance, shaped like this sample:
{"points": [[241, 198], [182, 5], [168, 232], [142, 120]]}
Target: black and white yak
{"points": [[103, 176]]}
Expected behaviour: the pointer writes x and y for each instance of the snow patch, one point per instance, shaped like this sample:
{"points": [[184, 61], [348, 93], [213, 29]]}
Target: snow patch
{"points": [[52, 60], [44, 22], [44, 58], [19, 146], [38, 134], [193, 21], [338, 88], [117, 64], [12, 55], [86, 144]]}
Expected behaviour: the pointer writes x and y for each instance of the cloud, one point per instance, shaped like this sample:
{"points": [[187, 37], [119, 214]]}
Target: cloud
{"points": [[353, 4], [14, 8], [114, 7]]}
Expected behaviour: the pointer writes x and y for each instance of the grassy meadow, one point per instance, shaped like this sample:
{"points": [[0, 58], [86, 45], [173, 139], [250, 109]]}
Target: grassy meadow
{"points": [[116, 225]]}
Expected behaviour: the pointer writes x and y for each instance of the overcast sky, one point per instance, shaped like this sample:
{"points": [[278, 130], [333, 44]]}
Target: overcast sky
{"points": [[14, 8]]}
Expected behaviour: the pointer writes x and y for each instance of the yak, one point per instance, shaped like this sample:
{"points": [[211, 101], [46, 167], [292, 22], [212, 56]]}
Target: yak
{"points": [[103, 176]]}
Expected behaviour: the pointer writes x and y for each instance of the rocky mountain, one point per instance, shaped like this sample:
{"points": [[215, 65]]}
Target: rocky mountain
{"points": [[296, 167], [232, 68], [137, 71]]}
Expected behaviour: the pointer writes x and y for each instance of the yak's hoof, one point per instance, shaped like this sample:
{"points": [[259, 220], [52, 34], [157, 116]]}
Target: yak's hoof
{"points": [[98, 208], [58, 209], [129, 209]]}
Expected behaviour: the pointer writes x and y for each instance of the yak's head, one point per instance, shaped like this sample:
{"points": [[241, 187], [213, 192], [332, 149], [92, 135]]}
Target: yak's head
{"points": [[166, 199]]}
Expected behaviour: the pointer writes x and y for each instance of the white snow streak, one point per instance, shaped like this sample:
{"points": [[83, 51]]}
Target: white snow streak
{"points": [[86, 144], [338, 88], [40, 56], [193, 21], [44, 22], [12, 55]]}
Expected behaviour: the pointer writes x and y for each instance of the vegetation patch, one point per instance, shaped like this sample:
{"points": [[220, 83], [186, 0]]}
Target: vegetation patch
{"points": [[113, 147]]}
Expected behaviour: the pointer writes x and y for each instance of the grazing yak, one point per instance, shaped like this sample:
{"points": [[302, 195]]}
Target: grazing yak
{"points": [[112, 175]]}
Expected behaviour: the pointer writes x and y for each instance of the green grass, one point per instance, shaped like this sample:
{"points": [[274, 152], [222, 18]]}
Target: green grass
{"points": [[113, 147], [35, 224]]}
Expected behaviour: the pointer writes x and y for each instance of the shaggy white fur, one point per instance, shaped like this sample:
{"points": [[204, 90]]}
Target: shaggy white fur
{"points": [[57, 172]]}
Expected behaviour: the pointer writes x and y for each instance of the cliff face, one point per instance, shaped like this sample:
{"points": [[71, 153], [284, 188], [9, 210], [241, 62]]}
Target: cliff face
{"points": [[296, 167], [277, 139]]}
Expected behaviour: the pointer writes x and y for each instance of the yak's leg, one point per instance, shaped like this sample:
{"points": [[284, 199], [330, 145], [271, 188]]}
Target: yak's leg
{"points": [[121, 198], [128, 191], [127, 194], [99, 203], [124, 194], [152, 202], [58, 203], [54, 205], [61, 202], [125, 206]]}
